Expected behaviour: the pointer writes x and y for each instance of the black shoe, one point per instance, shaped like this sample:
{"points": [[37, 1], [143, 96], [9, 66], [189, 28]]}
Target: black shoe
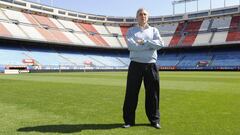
{"points": [[126, 126], [156, 125]]}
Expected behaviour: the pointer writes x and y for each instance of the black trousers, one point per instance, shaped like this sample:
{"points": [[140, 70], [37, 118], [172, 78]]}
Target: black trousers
{"points": [[137, 72]]}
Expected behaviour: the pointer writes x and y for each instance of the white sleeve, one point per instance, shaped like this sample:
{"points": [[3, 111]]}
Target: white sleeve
{"points": [[132, 45], [157, 42]]}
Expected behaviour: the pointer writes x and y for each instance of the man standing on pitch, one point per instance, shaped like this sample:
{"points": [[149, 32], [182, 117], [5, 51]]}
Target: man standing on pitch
{"points": [[143, 42]]}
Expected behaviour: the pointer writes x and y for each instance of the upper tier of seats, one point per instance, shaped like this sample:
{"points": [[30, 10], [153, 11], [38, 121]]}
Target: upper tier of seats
{"points": [[16, 24], [41, 27]]}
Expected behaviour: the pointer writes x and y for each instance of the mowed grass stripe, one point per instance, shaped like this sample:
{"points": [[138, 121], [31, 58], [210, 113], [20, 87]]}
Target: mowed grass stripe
{"points": [[13, 115], [60, 97], [93, 80], [209, 86]]}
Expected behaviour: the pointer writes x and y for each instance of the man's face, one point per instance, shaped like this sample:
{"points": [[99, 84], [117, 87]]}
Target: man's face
{"points": [[142, 17]]}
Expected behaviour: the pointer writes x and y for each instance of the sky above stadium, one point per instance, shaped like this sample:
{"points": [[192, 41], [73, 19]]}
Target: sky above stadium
{"points": [[128, 7]]}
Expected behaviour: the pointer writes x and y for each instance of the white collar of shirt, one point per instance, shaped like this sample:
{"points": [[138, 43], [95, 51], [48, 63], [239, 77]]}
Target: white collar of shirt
{"points": [[143, 28]]}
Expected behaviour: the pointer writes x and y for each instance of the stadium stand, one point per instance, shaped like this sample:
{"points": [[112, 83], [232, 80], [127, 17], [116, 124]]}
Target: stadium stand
{"points": [[234, 33], [191, 32], [55, 38], [12, 56]]}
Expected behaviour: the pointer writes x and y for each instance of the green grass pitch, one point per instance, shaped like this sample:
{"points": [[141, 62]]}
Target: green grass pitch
{"points": [[192, 103]]}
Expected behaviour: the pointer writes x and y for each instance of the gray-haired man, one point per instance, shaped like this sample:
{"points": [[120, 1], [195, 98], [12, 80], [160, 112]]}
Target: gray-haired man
{"points": [[143, 42]]}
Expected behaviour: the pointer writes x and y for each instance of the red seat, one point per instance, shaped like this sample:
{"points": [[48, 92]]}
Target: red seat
{"points": [[192, 31], [234, 32]]}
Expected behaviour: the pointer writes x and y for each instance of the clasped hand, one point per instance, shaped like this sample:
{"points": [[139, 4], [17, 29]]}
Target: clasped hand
{"points": [[140, 41]]}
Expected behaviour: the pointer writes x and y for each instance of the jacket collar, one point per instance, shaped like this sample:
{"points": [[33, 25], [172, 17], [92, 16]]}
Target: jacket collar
{"points": [[143, 28]]}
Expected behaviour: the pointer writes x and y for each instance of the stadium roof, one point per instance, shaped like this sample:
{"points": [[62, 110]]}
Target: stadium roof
{"points": [[126, 8]]}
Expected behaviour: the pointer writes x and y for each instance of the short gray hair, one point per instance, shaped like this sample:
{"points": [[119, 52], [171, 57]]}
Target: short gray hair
{"points": [[141, 9]]}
